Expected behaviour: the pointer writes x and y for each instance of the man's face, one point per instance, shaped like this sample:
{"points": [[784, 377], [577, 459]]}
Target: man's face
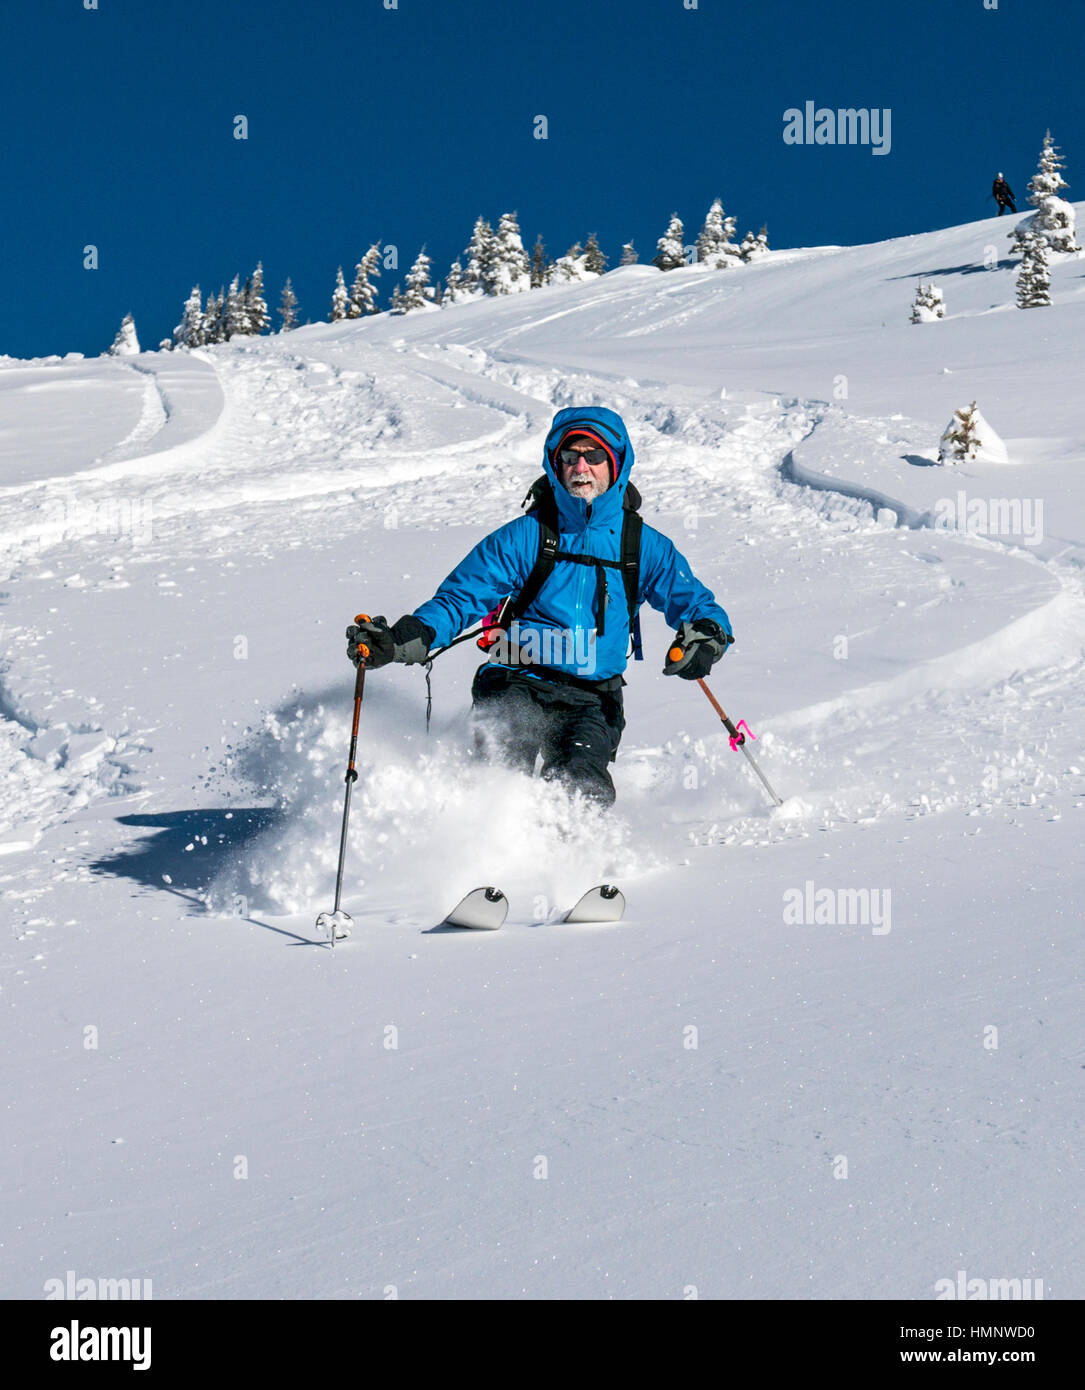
{"points": [[581, 478]]}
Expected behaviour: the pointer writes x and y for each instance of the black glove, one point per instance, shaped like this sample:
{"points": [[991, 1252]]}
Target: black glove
{"points": [[702, 643], [408, 640]]}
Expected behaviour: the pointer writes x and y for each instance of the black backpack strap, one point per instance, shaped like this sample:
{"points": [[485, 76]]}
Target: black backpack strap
{"points": [[545, 509], [632, 526]]}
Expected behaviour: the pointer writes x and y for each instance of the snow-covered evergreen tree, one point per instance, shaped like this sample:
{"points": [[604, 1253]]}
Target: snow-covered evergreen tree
{"points": [[594, 260], [571, 266], [288, 307], [455, 290], [419, 293], [715, 246], [235, 313], [1057, 215], [214, 318], [244, 315], [754, 247], [397, 305], [960, 440], [189, 332], [363, 296], [928, 305], [670, 253], [510, 271], [340, 298], [540, 264], [629, 254], [1033, 276], [1054, 218], [126, 343], [478, 274], [256, 304], [970, 438]]}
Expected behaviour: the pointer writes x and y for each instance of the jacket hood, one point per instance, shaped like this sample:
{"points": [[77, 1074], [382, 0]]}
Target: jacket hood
{"points": [[573, 511]]}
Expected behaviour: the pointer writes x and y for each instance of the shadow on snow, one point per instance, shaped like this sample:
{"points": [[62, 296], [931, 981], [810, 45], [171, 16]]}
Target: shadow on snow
{"points": [[187, 849]]}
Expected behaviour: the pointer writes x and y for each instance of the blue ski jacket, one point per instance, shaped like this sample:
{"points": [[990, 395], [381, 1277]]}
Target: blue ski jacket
{"points": [[562, 623]]}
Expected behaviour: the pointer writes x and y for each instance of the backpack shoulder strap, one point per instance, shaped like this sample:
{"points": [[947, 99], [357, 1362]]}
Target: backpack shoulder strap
{"points": [[632, 528], [544, 508]]}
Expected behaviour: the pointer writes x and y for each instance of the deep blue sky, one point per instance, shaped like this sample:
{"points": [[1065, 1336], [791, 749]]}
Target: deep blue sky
{"points": [[405, 125]]}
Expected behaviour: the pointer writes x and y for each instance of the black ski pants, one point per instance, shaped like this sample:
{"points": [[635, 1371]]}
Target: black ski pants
{"points": [[575, 729]]}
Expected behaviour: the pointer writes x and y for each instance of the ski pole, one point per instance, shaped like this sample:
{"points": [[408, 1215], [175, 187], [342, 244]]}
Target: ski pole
{"points": [[338, 923], [738, 737]]}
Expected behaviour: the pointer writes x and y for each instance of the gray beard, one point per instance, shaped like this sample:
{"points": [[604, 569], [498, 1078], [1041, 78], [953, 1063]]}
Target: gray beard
{"points": [[584, 495]]}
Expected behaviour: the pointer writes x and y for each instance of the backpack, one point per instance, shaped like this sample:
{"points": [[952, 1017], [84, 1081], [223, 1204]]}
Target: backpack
{"points": [[545, 508]]}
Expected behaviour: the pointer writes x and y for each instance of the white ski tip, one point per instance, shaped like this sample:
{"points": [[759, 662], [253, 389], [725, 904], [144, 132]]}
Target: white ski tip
{"points": [[484, 909], [603, 904]]}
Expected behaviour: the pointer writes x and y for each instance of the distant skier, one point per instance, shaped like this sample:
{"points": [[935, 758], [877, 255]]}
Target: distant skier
{"points": [[562, 586], [1003, 195]]}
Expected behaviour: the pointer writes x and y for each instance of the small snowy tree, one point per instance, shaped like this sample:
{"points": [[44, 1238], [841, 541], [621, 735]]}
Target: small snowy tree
{"points": [[419, 290], [670, 251], [970, 438], [236, 312], [1054, 218], [248, 308], [594, 260], [214, 318], [125, 344], [288, 307], [256, 304], [478, 275], [1033, 276], [363, 297], [510, 271], [928, 305], [540, 264], [455, 290], [571, 266], [340, 298], [397, 305], [244, 318], [753, 247], [960, 440], [629, 254], [189, 332], [714, 244]]}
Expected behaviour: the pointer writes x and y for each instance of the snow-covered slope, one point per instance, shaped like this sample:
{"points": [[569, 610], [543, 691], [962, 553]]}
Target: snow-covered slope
{"points": [[835, 1049]]}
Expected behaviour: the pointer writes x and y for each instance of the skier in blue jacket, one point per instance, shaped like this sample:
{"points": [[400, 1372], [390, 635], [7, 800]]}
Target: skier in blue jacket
{"points": [[553, 682]]}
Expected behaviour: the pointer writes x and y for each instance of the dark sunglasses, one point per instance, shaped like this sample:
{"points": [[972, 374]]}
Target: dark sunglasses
{"points": [[593, 456]]}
